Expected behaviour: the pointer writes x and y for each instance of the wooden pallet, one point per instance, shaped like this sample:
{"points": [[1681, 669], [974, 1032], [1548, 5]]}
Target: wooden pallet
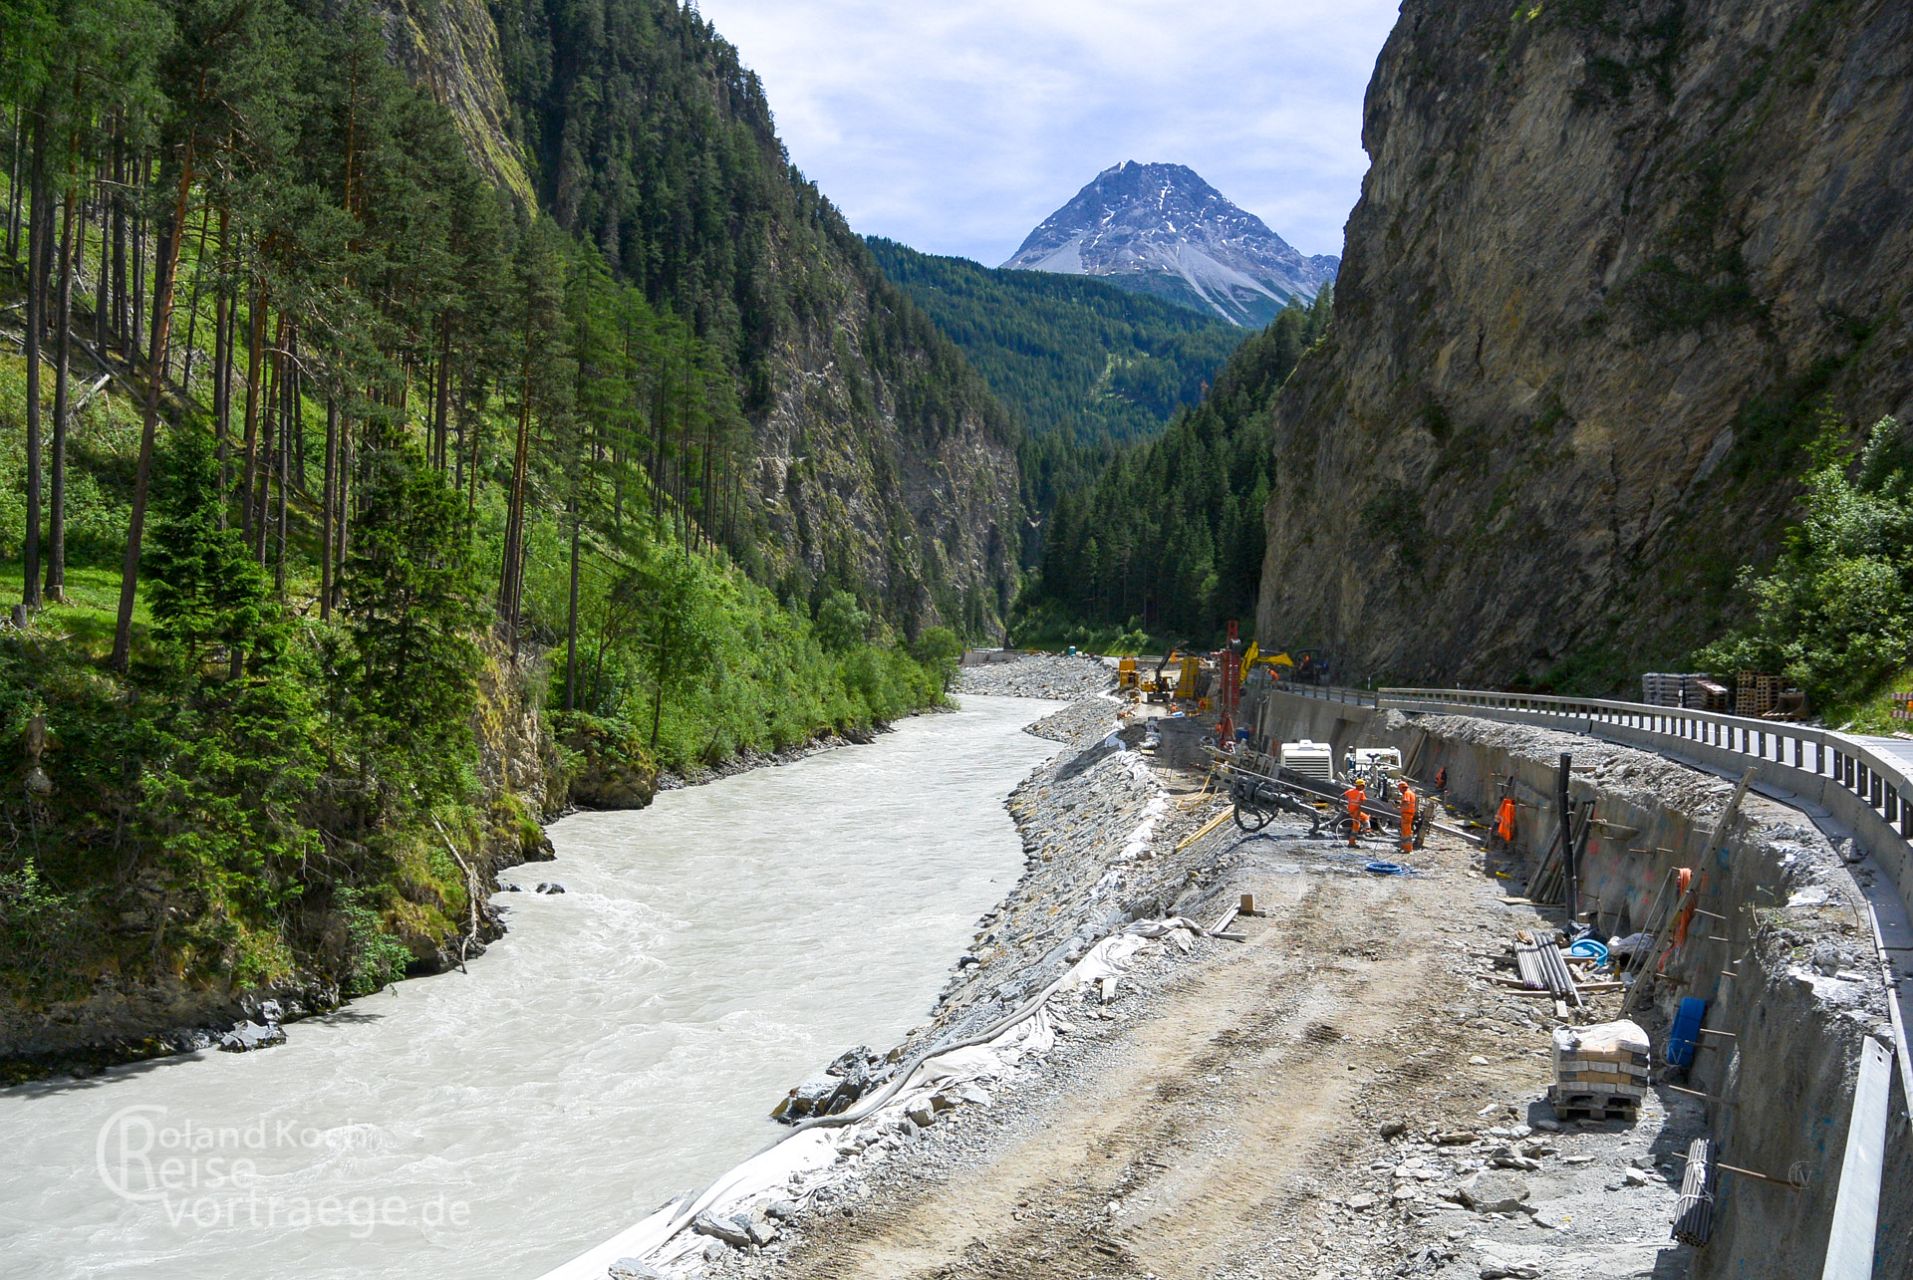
{"points": [[1755, 694], [1595, 1107]]}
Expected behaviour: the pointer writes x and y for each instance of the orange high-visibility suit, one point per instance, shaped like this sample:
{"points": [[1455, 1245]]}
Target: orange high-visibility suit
{"points": [[1355, 796], [1504, 821], [1409, 804]]}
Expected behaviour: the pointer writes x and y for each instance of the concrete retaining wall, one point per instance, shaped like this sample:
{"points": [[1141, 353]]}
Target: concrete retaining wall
{"points": [[1787, 1074]]}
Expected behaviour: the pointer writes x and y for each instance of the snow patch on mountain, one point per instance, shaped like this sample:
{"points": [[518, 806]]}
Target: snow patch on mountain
{"points": [[1159, 228]]}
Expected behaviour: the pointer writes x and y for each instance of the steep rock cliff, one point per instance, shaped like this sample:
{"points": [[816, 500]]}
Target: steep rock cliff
{"points": [[883, 462], [1610, 261]]}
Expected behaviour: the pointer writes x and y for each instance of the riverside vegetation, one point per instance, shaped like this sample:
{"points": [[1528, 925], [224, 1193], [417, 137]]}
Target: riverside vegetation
{"points": [[329, 465]]}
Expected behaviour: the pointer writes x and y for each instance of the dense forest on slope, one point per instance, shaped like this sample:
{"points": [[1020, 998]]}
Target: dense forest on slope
{"points": [[1613, 266], [329, 469], [882, 463], [1167, 536], [1073, 355]]}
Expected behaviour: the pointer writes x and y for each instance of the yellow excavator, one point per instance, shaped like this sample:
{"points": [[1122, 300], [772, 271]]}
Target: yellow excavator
{"points": [[1253, 657]]}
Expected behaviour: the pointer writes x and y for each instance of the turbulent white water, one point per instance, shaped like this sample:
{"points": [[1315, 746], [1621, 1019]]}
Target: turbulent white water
{"points": [[623, 1042]]}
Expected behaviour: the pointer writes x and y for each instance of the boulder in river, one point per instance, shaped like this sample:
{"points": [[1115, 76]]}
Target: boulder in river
{"points": [[851, 1075], [811, 1098], [550, 886], [247, 1036]]}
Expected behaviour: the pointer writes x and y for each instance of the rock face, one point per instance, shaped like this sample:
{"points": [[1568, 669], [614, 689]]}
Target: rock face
{"points": [[1159, 228], [881, 460], [1609, 263]]}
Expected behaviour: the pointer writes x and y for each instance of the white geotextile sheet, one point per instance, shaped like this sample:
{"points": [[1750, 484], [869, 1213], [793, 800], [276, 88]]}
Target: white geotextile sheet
{"points": [[795, 1167]]}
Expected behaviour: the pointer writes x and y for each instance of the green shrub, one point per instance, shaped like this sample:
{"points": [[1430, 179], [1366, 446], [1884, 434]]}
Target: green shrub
{"points": [[1832, 614], [374, 958]]}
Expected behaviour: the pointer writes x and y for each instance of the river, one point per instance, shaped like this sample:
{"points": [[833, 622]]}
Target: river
{"points": [[621, 1043]]}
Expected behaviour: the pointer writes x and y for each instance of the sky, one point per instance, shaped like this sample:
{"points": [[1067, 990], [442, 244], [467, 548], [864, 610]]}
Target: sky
{"points": [[956, 127]]}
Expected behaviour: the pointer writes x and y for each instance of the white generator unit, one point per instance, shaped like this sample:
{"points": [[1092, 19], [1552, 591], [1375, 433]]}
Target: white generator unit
{"points": [[1309, 759]]}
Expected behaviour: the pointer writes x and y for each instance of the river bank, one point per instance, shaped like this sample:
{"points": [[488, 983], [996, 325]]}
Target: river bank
{"points": [[624, 1039], [526, 786], [1349, 1091]]}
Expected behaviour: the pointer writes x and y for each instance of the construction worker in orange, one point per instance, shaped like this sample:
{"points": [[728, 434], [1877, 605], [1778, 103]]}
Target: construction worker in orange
{"points": [[1410, 802], [1441, 779], [1504, 822], [1355, 796]]}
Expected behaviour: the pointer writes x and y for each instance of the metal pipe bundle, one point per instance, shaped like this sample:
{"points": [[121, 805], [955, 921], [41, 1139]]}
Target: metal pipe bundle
{"points": [[1694, 1215]]}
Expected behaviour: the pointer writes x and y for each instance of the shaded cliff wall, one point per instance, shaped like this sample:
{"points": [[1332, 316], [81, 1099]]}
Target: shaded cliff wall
{"points": [[882, 462], [1609, 262]]}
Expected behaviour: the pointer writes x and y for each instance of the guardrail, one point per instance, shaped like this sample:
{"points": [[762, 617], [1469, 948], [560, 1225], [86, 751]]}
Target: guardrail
{"points": [[1869, 792], [1330, 693]]}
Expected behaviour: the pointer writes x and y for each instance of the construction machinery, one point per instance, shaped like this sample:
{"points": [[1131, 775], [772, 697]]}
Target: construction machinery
{"points": [[1189, 677], [1376, 766], [1127, 677], [1277, 665], [1262, 786], [1159, 688], [1311, 760], [1312, 666]]}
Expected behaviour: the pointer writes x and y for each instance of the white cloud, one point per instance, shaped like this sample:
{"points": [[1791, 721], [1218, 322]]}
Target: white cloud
{"points": [[956, 128]]}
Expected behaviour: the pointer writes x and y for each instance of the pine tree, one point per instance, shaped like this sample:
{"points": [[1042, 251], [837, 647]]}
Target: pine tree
{"points": [[409, 590]]}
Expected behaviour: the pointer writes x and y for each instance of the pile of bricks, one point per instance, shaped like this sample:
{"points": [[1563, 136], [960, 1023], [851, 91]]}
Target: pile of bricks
{"points": [[1600, 1072]]}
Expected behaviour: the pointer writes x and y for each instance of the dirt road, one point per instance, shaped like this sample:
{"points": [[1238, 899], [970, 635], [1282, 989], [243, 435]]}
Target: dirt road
{"points": [[1237, 1129]]}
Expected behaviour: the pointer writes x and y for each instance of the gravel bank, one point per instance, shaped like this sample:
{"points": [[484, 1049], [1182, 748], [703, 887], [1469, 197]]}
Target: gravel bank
{"points": [[1039, 676], [1352, 1091]]}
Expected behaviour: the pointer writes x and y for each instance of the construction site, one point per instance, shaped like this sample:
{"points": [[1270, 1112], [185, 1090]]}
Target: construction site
{"points": [[1308, 982]]}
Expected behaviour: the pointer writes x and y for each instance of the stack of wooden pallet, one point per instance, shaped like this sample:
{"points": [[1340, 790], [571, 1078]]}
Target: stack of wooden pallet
{"points": [[1689, 689], [1705, 695], [1755, 694], [1600, 1072]]}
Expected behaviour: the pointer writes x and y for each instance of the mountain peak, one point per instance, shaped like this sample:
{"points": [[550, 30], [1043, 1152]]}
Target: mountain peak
{"points": [[1160, 228]]}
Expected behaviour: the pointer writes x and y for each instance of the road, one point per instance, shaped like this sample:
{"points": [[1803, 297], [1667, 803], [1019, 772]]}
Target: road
{"points": [[1235, 1130]]}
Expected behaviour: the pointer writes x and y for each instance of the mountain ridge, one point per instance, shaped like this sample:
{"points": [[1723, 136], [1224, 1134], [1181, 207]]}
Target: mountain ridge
{"points": [[1075, 355], [1162, 229], [884, 465]]}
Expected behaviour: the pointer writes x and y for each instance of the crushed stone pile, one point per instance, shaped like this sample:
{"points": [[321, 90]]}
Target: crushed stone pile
{"points": [[1038, 676]]}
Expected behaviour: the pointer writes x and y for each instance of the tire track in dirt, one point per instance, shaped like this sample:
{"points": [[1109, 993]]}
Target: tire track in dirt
{"points": [[1219, 1129]]}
